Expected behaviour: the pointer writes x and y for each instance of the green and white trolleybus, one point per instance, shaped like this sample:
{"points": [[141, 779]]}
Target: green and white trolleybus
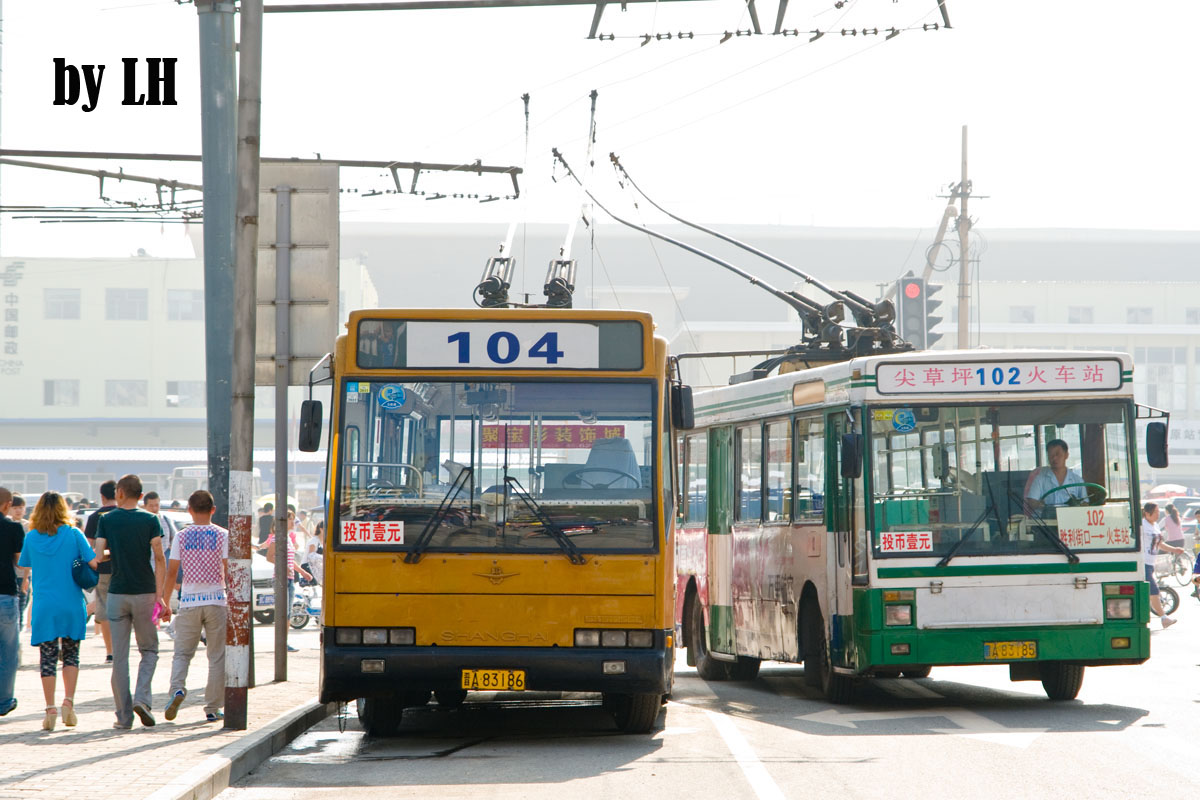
{"points": [[888, 514]]}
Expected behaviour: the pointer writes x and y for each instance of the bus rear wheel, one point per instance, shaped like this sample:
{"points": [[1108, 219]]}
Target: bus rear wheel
{"points": [[707, 667], [379, 716], [818, 670], [450, 698], [745, 668], [1061, 681], [634, 713]]}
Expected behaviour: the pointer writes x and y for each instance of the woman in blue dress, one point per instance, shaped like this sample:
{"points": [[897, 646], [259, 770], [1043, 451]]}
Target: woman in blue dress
{"points": [[59, 609]]}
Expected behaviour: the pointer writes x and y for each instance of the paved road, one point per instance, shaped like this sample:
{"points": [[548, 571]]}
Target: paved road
{"points": [[963, 733]]}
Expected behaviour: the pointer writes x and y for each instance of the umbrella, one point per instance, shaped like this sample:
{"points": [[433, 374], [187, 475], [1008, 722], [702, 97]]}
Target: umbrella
{"points": [[1168, 490], [270, 498]]}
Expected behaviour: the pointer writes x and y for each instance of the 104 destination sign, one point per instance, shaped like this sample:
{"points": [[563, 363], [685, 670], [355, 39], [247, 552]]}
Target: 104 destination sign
{"points": [[513, 345], [971, 377]]}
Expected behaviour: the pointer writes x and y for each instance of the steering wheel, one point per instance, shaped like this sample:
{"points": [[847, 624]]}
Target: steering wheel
{"points": [[576, 477], [1097, 494]]}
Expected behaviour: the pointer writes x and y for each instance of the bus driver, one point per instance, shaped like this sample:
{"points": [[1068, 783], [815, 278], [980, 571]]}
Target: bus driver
{"points": [[1052, 485]]}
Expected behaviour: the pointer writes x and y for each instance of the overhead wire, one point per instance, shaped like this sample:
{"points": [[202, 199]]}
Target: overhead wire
{"points": [[762, 94]]}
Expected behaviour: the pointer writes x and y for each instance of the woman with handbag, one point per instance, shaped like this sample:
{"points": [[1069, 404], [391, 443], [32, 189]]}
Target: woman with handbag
{"points": [[61, 559]]}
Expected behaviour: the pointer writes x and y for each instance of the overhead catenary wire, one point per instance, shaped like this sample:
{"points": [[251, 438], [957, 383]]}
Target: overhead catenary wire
{"points": [[835, 294], [754, 281]]}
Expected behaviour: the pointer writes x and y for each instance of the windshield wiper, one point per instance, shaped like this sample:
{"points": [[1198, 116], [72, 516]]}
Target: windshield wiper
{"points": [[958, 545], [556, 532], [439, 516], [1057, 542]]}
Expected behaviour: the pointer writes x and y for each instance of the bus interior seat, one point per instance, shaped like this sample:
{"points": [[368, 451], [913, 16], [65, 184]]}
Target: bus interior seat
{"points": [[1004, 491], [615, 454]]}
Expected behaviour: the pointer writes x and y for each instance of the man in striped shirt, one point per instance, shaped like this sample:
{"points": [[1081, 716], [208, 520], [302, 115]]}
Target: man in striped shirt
{"points": [[292, 566], [201, 554]]}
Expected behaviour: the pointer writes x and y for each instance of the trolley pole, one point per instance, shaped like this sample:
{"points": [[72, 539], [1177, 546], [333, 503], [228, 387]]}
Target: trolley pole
{"points": [[964, 260], [239, 669]]}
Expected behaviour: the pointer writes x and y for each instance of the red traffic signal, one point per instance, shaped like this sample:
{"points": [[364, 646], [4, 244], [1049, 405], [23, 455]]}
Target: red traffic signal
{"points": [[912, 289]]}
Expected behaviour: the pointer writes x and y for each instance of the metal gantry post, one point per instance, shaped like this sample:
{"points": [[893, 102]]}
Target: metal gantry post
{"points": [[218, 133], [964, 257], [283, 349], [239, 669]]}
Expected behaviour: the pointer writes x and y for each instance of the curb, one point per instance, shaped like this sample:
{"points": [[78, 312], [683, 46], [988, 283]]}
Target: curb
{"points": [[237, 759]]}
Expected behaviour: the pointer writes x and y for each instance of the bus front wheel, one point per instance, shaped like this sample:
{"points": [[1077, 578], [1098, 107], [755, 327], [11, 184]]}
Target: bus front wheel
{"points": [[707, 667], [818, 670], [1061, 681], [634, 713]]}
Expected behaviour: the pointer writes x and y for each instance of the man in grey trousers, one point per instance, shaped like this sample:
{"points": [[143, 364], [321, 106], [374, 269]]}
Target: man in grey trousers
{"points": [[202, 550], [132, 537]]}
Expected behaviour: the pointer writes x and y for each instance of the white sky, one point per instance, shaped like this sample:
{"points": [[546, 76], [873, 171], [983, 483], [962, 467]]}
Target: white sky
{"points": [[1079, 110]]}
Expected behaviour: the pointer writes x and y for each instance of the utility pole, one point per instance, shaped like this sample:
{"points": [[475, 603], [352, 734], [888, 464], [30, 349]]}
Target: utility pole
{"points": [[239, 670], [963, 192], [218, 139]]}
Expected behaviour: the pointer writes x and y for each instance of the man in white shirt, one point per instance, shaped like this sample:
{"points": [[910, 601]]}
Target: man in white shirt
{"points": [[1054, 485], [201, 554]]}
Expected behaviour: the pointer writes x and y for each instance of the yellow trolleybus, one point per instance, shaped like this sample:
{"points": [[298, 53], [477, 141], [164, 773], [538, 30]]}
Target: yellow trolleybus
{"points": [[500, 507]]}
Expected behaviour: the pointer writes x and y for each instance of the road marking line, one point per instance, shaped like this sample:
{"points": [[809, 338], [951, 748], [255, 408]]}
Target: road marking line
{"points": [[761, 782]]}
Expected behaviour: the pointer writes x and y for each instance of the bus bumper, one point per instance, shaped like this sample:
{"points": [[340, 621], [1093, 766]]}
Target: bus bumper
{"points": [[1089, 646], [548, 669]]}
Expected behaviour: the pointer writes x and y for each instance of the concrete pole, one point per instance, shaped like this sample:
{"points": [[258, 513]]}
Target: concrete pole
{"points": [[964, 260], [239, 660], [218, 135], [283, 358]]}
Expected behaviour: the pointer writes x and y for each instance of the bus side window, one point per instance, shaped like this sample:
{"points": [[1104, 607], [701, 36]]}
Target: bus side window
{"points": [[809, 476], [696, 484], [778, 478], [748, 483]]}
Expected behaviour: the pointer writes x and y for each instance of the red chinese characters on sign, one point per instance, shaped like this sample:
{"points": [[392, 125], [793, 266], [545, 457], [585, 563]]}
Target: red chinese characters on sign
{"points": [[1100, 374], [906, 542], [373, 531], [566, 437]]}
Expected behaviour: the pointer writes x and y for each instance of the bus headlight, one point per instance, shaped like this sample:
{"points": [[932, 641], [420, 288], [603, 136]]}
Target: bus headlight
{"points": [[348, 636], [587, 638], [897, 615], [374, 636], [614, 638], [1118, 607]]}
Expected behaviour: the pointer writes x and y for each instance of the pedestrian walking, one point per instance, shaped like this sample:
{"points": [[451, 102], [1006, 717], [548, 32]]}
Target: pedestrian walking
{"points": [[292, 567], [132, 537], [12, 538], [265, 518], [59, 616], [201, 554], [17, 515], [315, 562], [108, 502]]}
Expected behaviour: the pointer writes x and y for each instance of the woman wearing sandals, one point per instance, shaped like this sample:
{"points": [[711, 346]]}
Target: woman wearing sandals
{"points": [[59, 614]]}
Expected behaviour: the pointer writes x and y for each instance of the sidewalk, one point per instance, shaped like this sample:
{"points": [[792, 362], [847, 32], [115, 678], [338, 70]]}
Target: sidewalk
{"points": [[182, 759]]}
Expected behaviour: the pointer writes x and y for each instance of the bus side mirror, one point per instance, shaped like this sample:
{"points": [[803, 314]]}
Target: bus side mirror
{"points": [[852, 455], [683, 413], [1156, 444], [310, 426]]}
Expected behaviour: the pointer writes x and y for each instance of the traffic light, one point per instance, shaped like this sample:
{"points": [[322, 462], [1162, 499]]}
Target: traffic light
{"points": [[910, 292], [930, 319]]}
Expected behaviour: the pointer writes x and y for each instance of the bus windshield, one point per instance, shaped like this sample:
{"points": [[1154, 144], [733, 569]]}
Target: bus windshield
{"points": [[497, 466], [1002, 479]]}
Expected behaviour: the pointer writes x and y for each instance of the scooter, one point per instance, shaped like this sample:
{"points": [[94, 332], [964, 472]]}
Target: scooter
{"points": [[305, 606]]}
